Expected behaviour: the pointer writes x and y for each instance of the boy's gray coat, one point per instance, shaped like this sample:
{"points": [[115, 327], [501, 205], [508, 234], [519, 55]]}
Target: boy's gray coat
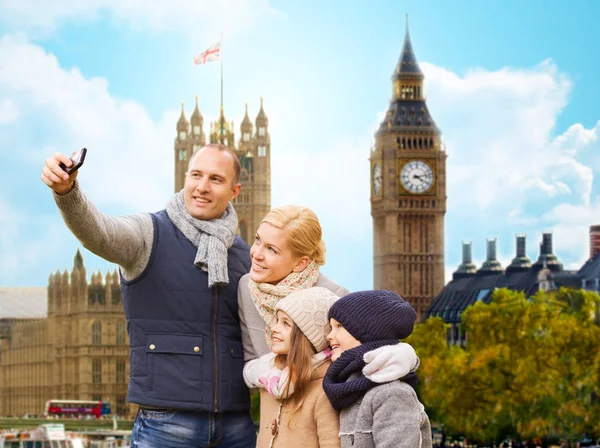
{"points": [[389, 415]]}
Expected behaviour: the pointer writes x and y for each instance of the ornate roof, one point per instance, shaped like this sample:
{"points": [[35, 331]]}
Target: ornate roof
{"points": [[410, 116], [466, 288], [408, 64]]}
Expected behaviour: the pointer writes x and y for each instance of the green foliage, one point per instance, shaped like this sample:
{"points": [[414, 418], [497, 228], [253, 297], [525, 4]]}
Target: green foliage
{"points": [[530, 367], [255, 405]]}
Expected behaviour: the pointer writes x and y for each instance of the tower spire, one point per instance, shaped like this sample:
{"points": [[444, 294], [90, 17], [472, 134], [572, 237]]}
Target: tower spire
{"points": [[408, 64]]}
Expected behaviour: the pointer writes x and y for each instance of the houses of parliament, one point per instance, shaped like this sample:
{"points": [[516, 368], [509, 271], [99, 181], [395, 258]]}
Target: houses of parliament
{"points": [[80, 350]]}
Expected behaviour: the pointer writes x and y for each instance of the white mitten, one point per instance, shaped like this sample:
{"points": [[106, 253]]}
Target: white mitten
{"points": [[390, 362], [257, 368]]}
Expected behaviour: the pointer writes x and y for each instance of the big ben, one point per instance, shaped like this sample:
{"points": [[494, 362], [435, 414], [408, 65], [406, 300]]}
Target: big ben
{"points": [[408, 191]]}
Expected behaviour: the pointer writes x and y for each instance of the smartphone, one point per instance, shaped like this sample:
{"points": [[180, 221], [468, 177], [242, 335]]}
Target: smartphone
{"points": [[77, 160]]}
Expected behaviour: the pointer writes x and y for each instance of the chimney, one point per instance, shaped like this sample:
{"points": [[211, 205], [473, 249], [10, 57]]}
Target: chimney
{"points": [[546, 248], [467, 268], [594, 240], [491, 265], [520, 262], [547, 256]]}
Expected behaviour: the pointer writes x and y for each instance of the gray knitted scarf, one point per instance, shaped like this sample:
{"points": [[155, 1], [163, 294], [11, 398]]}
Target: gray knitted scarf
{"points": [[212, 238]]}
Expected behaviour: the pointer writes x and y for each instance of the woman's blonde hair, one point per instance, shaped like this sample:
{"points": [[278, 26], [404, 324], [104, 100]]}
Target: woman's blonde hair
{"points": [[302, 229]]}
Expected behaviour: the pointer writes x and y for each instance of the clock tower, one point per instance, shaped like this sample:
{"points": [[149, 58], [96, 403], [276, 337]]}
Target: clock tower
{"points": [[408, 191]]}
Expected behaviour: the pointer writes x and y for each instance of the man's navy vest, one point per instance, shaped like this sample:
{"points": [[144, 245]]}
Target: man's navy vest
{"points": [[186, 344]]}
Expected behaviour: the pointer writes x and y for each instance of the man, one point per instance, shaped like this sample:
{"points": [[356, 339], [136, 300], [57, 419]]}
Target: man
{"points": [[179, 272]]}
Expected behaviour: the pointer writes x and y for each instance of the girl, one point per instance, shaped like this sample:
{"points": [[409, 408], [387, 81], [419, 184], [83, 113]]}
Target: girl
{"points": [[287, 254], [373, 415], [294, 411]]}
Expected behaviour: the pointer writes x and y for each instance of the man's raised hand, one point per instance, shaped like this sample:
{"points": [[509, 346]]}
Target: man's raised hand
{"points": [[55, 177]]}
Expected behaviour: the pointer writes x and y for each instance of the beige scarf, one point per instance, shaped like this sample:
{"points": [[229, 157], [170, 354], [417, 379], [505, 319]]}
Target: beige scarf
{"points": [[266, 296]]}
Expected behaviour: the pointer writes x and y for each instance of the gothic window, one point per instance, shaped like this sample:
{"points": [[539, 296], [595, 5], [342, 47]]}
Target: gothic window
{"points": [[262, 151], [182, 135], [196, 130], [261, 131], [244, 230], [196, 148], [246, 136], [97, 371], [182, 155], [120, 333], [116, 295], [120, 367], [97, 333], [121, 407]]}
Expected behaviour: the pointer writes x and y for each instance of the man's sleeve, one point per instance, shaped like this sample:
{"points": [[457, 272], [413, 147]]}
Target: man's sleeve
{"points": [[126, 240], [249, 351]]}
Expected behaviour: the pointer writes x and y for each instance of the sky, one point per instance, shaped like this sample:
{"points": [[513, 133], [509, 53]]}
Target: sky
{"points": [[512, 85]]}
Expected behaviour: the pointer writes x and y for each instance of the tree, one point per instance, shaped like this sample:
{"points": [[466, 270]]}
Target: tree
{"points": [[530, 367]]}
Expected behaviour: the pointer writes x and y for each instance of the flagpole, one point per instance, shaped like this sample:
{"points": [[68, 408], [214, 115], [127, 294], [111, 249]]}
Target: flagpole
{"points": [[221, 118]]}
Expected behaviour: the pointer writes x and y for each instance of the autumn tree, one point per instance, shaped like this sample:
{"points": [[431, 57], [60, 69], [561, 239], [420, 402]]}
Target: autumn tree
{"points": [[530, 367]]}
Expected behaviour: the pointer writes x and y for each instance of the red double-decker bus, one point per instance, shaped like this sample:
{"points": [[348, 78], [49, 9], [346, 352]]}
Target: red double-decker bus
{"points": [[77, 408]]}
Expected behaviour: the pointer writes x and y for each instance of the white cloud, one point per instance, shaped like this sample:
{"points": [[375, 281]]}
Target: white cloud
{"points": [[74, 111], [205, 17], [507, 172], [8, 112]]}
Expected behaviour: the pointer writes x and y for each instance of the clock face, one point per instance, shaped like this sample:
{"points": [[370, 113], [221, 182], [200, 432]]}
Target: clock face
{"points": [[377, 179], [416, 176]]}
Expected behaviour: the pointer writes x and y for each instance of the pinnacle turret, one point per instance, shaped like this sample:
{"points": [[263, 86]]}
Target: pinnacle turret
{"points": [[261, 118], [197, 119], [183, 124]]}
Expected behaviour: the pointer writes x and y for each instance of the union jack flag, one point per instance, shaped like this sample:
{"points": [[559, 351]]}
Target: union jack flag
{"points": [[212, 54]]}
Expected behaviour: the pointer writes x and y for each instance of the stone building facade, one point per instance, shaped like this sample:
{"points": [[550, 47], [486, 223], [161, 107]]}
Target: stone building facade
{"points": [[78, 351]]}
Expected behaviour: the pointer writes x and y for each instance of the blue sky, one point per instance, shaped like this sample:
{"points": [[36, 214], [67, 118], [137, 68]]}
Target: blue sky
{"points": [[512, 85]]}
